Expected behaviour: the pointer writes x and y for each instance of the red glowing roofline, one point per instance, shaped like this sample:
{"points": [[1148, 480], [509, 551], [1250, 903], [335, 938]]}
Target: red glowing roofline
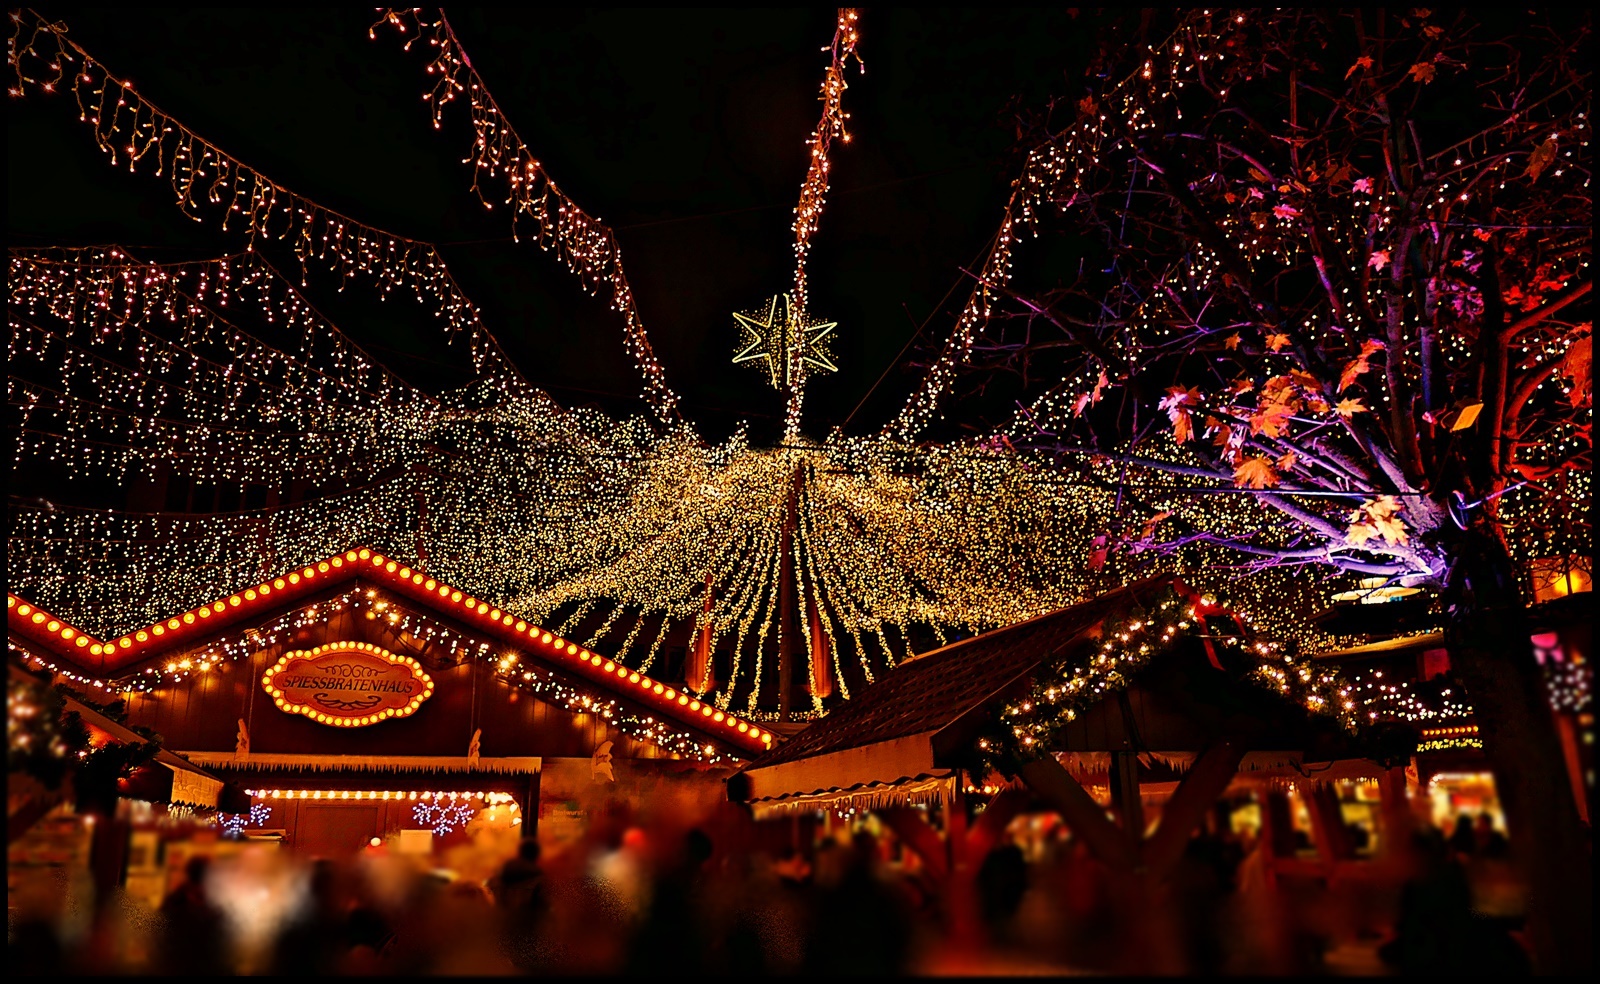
{"points": [[105, 656]]}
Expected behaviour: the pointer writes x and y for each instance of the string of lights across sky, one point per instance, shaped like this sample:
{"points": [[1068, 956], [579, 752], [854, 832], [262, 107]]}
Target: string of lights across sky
{"points": [[626, 530]]}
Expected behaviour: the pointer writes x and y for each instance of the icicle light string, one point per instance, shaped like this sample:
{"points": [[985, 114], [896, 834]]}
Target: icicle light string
{"points": [[131, 130], [585, 245]]}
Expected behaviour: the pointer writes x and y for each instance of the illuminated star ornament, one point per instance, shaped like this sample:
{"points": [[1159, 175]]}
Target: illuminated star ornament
{"points": [[786, 340]]}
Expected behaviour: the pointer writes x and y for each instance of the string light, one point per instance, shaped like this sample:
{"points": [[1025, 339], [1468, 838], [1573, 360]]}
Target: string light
{"points": [[585, 245]]}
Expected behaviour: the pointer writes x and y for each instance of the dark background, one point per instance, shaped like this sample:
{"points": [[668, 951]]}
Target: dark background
{"points": [[685, 130]]}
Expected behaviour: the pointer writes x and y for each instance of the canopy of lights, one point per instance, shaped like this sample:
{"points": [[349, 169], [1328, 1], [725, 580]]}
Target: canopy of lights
{"points": [[613, 532]]}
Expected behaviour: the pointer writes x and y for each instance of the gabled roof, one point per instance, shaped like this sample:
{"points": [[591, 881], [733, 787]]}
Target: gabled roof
{"points": [[934, 690], [108, 656], [916, 724]]}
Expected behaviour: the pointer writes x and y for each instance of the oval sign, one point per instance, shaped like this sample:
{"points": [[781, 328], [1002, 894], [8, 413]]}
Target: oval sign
{"points": [[347, 684]]}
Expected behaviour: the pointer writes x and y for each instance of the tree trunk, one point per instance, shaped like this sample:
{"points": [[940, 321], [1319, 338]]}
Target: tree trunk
{"points": [[1489, 638]]}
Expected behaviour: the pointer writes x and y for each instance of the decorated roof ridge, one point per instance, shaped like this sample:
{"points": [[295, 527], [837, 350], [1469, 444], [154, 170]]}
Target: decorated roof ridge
{"points": [[72, 642]]}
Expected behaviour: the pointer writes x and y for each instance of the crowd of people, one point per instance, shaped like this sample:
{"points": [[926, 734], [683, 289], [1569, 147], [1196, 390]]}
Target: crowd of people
{"points": [[634, 898]]}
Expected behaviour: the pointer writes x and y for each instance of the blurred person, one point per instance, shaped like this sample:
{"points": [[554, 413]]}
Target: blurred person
{"points": [[862, 927], [1002, 881], [519, 891], [315, 941], [1254, 927], [1490, 842], [673, 920], [33, 948], [1463, 841], [193, 935], [622, 873], [1436, 931]]}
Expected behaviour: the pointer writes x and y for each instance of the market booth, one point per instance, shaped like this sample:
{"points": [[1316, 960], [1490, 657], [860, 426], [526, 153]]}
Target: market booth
{"points": [[1176, 734], [357, 701]]}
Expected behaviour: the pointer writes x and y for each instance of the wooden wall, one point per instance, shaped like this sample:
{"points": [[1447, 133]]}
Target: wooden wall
{"points": [[202, 713]]}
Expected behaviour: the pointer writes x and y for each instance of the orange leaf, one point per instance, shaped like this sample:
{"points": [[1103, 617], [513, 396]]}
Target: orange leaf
{"points": [[1393, 529], [1286, 462], [1232, 341], [1542, 157], [1577, 365], [1349, 407], [1182, 425], [1362, 62], [1255, 473], [1276, 342], [1422, 72], [1352, 369], [1359, 533], [1271, 420]]}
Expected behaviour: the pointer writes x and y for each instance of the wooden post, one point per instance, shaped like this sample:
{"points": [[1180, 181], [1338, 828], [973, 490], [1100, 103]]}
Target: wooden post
{"points": [[1085, 817], [1277, 823], [1125, 801], [1327, 828]]}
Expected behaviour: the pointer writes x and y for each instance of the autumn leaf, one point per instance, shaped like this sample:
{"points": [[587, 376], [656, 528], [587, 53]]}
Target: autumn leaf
{"points": [[1364, 62], [1229, 197], [1305, 380], [1482, 235], [1182, 426], [1382, 507], [1378, 517], [1285, 211], [1392, 529], [1362, 186], [1259, 175], [1349, 407], [1175, 403], [1255, 473], [1271, 420], [1231, 342], [1379, 259], [1087, 105], [1422, 72], [1084, 400], [1286, 462], [1151, 523], [1276, 342], [1359, 533], [1577, 365], [1433, 31], [1542, 157], [1359, 364]]}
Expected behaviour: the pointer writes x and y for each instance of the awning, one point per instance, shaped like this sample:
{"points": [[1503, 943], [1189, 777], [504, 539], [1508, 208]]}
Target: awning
{"points": [[521, 765]]}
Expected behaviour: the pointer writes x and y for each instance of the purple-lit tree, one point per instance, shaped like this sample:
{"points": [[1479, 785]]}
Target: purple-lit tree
{"points": [[1340, 260]]}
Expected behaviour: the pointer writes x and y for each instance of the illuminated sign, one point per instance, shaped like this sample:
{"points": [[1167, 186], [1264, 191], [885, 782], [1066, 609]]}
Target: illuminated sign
{"points": [[347, 684]]}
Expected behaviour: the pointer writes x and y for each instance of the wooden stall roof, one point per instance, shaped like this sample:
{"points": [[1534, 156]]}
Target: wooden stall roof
{"points": [[915, 725], [248, 603], [931, 691], [1385, 647], [885, 735]]}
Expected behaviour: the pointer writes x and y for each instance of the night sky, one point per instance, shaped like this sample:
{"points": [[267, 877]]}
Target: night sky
{"points": [[684, 130]]}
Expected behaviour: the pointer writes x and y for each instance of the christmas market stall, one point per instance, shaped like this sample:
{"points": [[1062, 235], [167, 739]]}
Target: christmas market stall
{"points": [[1149, 699], [360, 703]]}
